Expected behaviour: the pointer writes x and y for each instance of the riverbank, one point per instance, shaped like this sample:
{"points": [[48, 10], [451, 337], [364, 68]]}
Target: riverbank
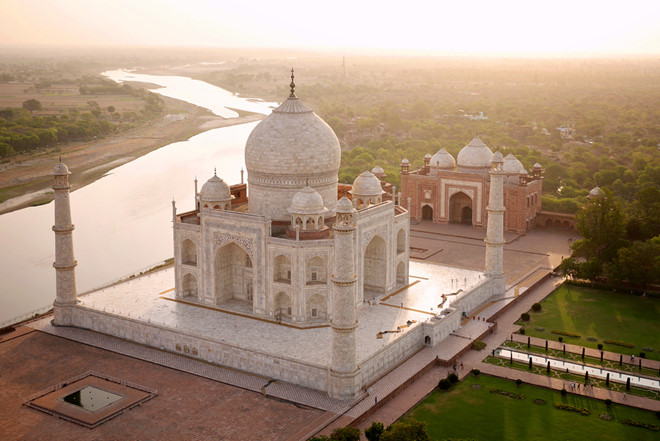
{"points": [[26, 180]]}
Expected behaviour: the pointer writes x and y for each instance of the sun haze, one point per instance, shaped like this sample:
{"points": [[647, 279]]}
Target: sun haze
{"points": [[477, 27]]}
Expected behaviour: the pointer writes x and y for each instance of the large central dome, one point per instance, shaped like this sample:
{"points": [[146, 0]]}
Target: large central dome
{"points": [[291, 148]]}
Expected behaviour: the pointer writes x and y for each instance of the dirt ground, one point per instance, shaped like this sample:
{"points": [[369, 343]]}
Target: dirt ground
{"points": [[26, 180]]}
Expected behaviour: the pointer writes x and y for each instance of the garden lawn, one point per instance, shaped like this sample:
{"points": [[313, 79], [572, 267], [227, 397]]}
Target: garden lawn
{"points": [[601, 315], [468, 413]]}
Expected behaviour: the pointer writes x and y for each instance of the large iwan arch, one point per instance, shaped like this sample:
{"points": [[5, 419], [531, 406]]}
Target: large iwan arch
{"points": [[374, 271], [460, 208], [231, 273]]}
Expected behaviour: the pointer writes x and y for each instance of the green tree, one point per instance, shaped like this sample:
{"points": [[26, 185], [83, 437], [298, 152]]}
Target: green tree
{"points": [[374, 431], [32, 105], [638, 263], [602, 226], [406, 430], [347, 433]]}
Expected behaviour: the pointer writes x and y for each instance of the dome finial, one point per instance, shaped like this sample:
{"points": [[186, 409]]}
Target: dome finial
{"points": [[292, 85], [215, 173]]}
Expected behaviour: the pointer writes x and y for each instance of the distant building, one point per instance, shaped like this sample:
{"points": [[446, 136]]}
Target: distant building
{"points": [[449, 191]]}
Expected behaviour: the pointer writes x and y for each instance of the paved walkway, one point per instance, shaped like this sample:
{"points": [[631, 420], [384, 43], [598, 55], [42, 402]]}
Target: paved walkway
{"points": [[557, 384]]}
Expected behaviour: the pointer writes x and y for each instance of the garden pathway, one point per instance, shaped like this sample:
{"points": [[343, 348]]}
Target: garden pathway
{"points": [[589, 352], [558, 384]]}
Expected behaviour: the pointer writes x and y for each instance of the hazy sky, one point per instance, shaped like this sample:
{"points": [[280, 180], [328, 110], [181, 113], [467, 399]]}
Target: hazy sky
{"points": [[496, 27]]}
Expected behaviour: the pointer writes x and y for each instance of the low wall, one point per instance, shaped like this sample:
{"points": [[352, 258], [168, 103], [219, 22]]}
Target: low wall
{"points": [[176, 341], [391, 355]]}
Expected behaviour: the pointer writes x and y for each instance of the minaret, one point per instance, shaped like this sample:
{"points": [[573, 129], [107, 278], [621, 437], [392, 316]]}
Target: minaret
{"points": [[343, 371], [65, 264], [495, 233]]}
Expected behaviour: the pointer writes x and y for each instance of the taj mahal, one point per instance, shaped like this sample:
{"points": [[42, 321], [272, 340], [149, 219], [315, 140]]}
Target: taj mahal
{"points": [[289, 275]]}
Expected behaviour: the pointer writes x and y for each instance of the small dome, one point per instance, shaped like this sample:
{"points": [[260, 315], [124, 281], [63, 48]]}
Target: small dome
{"points": [[475, 155], [307, 201], [594, 192], [215, 190], [511, 164], [497, 158], [366, 185], [404, 161], [443, 159], [523, 172], [537, 166], [61, 169], [427, 156], [378, 171], [344, 205]]}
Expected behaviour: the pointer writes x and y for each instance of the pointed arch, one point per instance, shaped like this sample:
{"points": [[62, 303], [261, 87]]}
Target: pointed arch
{"points": [[401, 241], [374, 271], [317, 308], [188, 252], [231, 272], [282, 306], [316, 271], [460, 208], [189, 286], [282, 269]]}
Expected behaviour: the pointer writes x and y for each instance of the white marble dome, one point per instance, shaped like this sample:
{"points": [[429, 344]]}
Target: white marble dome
{"points": [[307, 201], [215, 190], [289, 149], [292, 140], [344, 205], [443, 159], [475, 155], [366, 185], [497, 158]]}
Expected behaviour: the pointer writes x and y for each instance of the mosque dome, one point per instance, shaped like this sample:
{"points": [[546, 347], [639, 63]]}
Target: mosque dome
{"points": [[366, 185], [512, 164], [475, 155], [307, 201], [378, 171], [443, 159], [287, 149], [344, 205], [215, 190], [61, 169]]}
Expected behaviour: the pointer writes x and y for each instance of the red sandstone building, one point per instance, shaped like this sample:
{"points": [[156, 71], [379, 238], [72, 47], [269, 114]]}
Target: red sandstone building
{"points": [[456, 191]]}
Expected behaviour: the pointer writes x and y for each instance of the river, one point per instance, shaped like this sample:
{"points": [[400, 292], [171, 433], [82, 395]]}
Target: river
{"points": [[123, 220]]}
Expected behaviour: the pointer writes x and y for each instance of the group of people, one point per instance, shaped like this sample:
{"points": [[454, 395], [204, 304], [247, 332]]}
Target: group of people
{"points": [[574, 385]]}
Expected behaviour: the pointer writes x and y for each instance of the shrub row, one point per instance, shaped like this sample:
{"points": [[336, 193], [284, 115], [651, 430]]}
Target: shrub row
{"points": [[478, 345], [507, 394], [566, 333], [619, 343], [629, 422], [580, 410]]}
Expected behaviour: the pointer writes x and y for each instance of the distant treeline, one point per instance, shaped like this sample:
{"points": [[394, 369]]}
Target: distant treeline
{"points": [[22, 132]]}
